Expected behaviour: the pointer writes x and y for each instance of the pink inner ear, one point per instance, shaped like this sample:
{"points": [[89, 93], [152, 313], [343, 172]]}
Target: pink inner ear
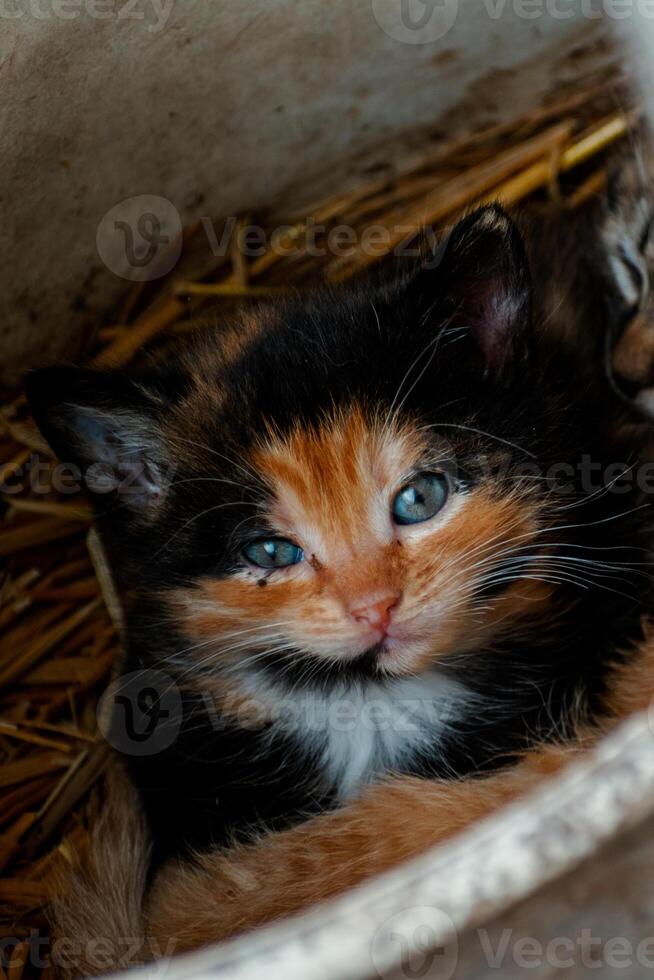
{"points": [[495, 310], [486, 274], [494, 315]]}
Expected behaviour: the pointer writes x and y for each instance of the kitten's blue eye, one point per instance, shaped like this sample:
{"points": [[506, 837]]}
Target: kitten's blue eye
{"points": [[273, 553], [421, 499]]}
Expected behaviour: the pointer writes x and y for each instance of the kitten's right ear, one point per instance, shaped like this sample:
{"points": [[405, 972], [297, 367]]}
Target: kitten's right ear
{"points": [[106, 424], [479, 279]]}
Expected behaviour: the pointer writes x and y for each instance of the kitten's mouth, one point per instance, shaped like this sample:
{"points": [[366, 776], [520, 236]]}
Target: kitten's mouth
{"points": [[397, 654], [377, 658]]}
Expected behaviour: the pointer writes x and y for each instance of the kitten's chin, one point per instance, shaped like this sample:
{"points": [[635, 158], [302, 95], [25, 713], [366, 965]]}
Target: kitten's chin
{"points": [[399, 660], [392, 657]]}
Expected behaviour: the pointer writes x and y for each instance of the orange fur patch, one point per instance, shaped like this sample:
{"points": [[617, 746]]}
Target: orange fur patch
{"points": [[225, 893]]}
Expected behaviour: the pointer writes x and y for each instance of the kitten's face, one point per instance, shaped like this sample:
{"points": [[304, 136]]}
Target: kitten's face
{"points": [[307, 490], [375, 552]]}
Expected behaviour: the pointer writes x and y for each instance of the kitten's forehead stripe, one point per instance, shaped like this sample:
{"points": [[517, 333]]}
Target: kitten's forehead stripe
{"points": [[336, 479]]}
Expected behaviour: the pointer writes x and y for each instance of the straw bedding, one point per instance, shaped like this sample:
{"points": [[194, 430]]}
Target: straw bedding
{"points": [[59, 617]]}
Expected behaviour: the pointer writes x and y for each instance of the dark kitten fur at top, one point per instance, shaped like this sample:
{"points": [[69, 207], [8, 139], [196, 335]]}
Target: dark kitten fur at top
{"points": [[367, 515]]}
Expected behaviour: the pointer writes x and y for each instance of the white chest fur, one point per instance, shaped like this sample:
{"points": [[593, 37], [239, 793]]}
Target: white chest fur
{"points": [[379, 728], [363, 730]]}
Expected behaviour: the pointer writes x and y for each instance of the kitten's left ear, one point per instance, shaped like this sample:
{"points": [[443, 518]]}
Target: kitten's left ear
{"points": [[481, 275], [108, 425]]}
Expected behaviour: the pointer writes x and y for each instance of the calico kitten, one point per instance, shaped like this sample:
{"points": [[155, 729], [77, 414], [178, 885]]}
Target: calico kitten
{"points": [[392, 529]]}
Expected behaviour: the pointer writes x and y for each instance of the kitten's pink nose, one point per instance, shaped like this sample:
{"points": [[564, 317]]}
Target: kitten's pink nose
{"points": [[375, 612]]}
